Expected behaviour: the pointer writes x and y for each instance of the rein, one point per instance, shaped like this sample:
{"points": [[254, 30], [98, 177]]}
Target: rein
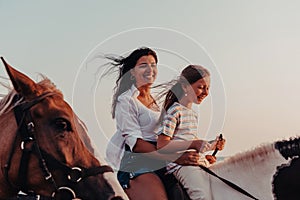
{"points": [[29, 146], [229, 183]]}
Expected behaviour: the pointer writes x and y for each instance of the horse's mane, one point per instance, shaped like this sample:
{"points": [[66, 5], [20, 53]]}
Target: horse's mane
{"points": [[254, 155], [286, 148], [6, 103]]}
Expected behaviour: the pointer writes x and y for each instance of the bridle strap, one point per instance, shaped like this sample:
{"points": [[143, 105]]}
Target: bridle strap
{"points": [[19, 119], [27, 132], [53, 164], [28, 104], [20, 112]]}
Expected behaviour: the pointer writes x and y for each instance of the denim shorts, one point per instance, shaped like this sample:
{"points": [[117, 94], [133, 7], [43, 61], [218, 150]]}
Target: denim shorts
{"points": [[135, 164]]}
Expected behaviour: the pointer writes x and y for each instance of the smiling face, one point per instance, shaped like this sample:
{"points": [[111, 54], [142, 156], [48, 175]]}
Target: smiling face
{"points": [[196, 92], [145, 71]]}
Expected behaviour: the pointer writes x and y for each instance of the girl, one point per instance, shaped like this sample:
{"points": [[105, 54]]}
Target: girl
{"points": [[179, 128]]}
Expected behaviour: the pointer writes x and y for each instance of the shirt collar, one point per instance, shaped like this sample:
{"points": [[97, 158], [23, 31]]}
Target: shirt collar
{"points": [[134, 91]]}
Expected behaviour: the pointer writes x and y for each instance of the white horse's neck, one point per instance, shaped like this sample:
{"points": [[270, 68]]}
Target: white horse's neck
{"points": [[252, 170]]}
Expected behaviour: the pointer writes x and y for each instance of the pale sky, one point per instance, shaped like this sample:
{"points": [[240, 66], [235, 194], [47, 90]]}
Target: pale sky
{"points": [[250, 47]]}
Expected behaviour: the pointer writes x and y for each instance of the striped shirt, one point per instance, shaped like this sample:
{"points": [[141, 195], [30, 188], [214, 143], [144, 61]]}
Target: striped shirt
{"points": [[179, 123]]}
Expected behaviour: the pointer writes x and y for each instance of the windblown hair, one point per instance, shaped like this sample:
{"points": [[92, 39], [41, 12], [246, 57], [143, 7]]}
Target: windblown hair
{"points": [[125, 64], [189, 75]]}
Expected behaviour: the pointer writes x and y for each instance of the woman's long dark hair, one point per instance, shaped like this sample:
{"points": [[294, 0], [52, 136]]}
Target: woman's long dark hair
{"points": [[189, 75], [125, 64]]}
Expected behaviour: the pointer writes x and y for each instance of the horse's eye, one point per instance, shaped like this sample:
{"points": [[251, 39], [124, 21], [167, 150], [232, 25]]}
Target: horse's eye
{"points": [[62, 125]]}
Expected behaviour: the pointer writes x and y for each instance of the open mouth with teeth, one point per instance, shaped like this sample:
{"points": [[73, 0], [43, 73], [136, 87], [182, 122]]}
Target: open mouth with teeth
{"points": [[149, 77], [200, 97]]}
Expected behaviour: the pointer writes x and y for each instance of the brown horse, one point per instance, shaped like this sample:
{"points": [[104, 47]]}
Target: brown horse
{"points": [[41, 148]]}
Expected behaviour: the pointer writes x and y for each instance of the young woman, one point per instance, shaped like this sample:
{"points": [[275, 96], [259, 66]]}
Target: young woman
{"points": [[132, 148]]}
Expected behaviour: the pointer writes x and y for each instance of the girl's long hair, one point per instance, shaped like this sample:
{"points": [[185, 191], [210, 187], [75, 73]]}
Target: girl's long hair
{"points": [[124, 65], [189, 75]]}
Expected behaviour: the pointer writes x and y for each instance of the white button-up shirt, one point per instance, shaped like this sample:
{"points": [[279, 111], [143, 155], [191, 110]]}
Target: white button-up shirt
{"points": [[133, 120]]}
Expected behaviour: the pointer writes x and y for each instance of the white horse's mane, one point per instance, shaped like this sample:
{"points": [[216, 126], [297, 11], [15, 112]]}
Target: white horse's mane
{"points": [[254, 155]]}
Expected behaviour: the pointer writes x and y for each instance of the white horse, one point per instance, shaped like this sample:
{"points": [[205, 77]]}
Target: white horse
{"points": [[253, 171]]}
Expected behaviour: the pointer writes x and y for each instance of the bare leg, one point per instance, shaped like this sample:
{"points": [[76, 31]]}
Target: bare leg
{"points": [[147, 187]]}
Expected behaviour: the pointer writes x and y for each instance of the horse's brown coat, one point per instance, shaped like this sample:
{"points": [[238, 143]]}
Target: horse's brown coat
{"points": [[58, 132]]}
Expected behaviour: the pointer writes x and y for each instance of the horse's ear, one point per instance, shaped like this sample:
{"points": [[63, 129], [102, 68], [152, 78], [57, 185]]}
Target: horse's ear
{"points": [[22, 83]]}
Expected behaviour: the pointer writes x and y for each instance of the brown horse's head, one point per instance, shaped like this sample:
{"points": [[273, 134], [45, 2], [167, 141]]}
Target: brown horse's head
{"points": [[42, 149]]}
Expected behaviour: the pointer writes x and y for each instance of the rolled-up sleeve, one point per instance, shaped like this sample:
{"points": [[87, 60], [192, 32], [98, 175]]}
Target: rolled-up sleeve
{"points": [[126, 115]]}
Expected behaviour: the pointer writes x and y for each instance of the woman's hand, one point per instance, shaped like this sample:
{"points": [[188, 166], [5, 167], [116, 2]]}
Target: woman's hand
{"points": [[189, 158]]}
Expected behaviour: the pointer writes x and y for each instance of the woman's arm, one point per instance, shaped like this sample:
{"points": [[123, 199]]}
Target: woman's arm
{"points": [[127, 120], [130, 129]]}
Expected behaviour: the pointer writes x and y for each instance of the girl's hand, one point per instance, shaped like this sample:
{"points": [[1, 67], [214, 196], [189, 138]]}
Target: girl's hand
{"points": [[218, 143], [211, 159]]}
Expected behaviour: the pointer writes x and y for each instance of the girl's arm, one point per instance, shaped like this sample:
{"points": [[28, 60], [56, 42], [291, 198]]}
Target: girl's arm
{"points": [[165, 144]]}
